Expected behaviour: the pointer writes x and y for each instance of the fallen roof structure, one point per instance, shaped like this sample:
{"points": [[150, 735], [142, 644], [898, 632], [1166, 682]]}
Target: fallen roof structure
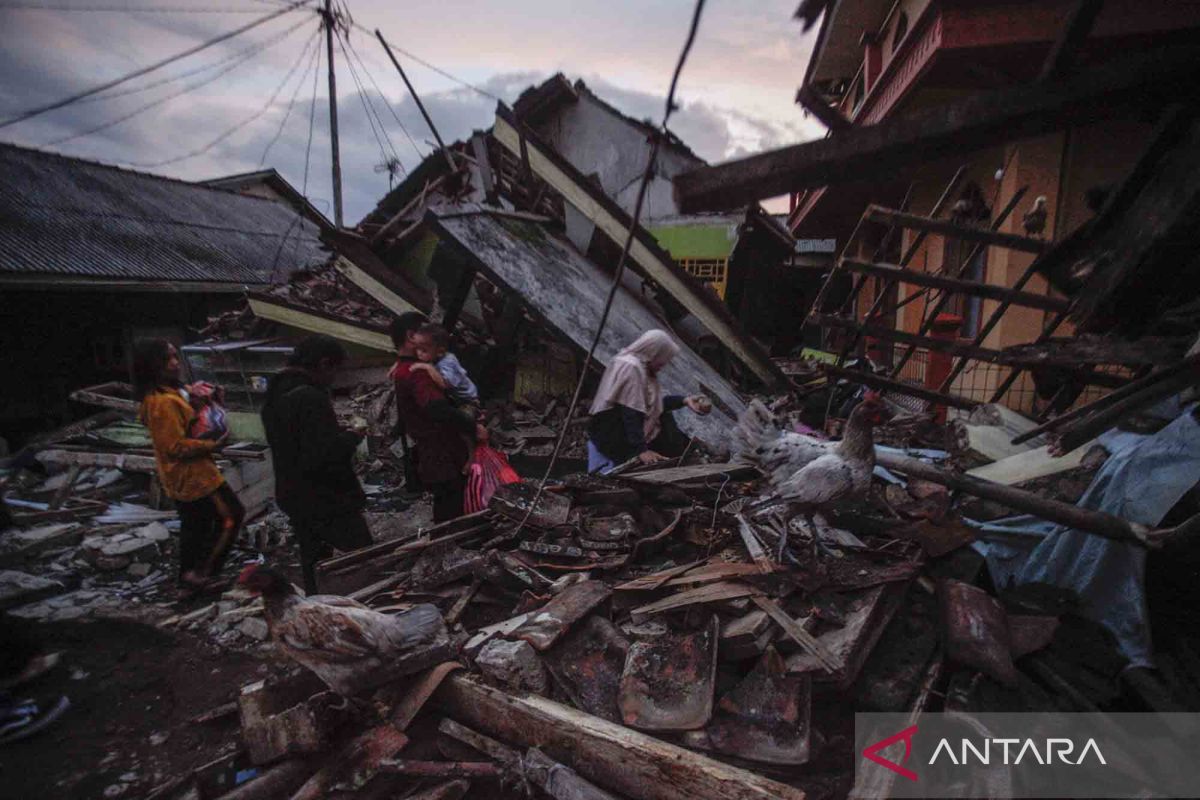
{"points": [[647, 255], [566, 290]]}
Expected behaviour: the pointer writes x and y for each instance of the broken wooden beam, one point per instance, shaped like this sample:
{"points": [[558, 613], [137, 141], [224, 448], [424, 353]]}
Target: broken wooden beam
{"points": [[1081, 431], [954, 230], [1084, 519], [973, 288], [614, 757], [829, 116], [899, 387], [978, 121], [951, 346], [440, 769], [1128, 390]]}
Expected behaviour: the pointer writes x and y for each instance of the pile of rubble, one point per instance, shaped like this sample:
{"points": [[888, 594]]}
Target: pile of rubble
{"points": [[654, 635]]}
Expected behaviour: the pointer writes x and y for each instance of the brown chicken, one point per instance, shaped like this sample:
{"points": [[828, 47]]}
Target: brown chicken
{"points": [[349, 646]]}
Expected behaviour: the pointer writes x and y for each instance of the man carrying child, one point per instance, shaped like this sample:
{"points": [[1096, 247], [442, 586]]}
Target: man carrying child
{"points": [[443, 433]]}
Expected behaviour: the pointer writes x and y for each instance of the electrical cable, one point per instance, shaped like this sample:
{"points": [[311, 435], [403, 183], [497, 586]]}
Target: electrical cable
{"points": [[312, 115], [185, 90], [363, 65], [172, 78], [291, 103], [66, 101], [126, 9], [436, 69], [620, 269], [232, 130], [369, 110]]}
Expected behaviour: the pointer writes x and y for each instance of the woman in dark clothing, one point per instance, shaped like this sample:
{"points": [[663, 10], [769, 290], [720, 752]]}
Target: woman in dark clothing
{"points": [[186, 468], [630, 416], [315, 483]]}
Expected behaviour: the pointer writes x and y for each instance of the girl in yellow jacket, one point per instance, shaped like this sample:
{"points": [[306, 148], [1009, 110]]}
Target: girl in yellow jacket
{"points": [[186, 468]]}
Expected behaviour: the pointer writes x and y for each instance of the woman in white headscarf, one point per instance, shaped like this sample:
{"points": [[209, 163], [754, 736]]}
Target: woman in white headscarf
{"points": [[630, 416]]}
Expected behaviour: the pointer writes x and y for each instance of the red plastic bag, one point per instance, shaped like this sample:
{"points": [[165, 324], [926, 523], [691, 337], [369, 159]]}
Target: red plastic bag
{"points": [[489, 471]]}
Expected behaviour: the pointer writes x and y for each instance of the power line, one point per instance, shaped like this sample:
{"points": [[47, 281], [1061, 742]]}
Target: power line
{"points": [[369, 110], [383, 97], [292, 102], [126, 9], [312, 115], [185, 90], [436, 69], [172, 78], [34, 112], [235, 128], [647, 176]]}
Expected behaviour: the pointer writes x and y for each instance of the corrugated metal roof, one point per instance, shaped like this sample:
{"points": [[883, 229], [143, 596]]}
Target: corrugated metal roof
{"points": [[66, 216]]}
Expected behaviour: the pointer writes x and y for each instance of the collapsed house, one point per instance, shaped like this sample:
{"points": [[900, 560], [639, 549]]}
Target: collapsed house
{"points": [[658, 633]]}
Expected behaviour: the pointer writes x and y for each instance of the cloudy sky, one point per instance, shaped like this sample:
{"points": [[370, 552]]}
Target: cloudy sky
{"points": [[219, 111]]}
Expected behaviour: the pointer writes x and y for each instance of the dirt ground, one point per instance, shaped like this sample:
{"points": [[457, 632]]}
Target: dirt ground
{"points": [[134, 690]]}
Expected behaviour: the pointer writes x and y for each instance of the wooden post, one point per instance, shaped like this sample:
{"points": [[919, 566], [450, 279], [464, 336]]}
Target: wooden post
{"points": [[615, 757]]}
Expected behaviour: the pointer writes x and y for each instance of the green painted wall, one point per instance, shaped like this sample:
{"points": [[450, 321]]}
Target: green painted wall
{"points": [[694, 241]]}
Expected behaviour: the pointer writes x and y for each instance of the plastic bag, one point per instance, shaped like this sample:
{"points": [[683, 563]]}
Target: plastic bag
{"points": [[489, 470]]}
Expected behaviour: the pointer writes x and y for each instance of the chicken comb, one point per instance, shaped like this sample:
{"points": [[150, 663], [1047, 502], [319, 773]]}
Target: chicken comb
{"points": [[872, 396]]}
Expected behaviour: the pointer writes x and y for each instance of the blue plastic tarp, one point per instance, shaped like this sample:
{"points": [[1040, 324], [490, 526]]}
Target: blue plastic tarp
{"points": [[1143, 478]]}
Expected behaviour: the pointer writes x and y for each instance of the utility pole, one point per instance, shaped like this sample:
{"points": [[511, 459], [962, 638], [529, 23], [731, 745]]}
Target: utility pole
{"points": [[333, 121]]}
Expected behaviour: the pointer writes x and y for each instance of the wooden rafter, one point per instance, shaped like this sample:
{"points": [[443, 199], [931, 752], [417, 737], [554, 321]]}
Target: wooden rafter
{"points": [[978, 121], [973, 288], [955, 231]]}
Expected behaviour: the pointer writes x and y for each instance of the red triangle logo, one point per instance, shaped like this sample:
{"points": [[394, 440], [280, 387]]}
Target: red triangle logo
{"points": [[872, 752]]}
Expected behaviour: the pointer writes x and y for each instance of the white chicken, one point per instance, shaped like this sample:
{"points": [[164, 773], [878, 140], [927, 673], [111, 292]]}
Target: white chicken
{"points": [[807, 473]]}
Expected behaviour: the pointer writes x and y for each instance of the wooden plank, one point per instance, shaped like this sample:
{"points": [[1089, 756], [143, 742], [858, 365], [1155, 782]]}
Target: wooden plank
{"points": [[360, 278], [954, 347], [308, 321], [612, 756], [832, 118], [945, 227], [797, 633], [947, 284], [754, 547], [645, 251], [887, 384], [725, 590], [978, 121], [680, 474], [131, 463]]}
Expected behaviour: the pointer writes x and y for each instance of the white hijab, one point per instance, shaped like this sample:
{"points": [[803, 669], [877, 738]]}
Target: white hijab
{"points": [[631, 379]]}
